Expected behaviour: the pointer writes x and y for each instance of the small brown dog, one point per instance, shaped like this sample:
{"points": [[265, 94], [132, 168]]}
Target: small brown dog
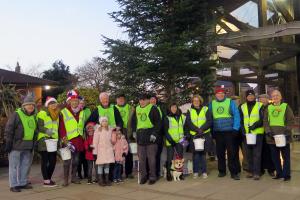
{"points": [[177, 168]]}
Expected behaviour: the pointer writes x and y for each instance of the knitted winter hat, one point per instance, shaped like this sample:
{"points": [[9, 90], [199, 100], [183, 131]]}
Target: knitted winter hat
{"points": [[28, 100], [72, 94], [50, 100], [101, 119], [250, 92]]}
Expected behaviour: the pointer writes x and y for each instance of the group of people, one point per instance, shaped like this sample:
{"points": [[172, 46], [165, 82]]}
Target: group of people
{"points": [[101, 138]]}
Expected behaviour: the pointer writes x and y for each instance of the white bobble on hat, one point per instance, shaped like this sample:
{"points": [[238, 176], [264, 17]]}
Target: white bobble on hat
{"points": [[49, 100]]}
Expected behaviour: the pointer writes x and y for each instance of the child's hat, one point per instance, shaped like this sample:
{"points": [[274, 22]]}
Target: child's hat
{"points": [[89, 124], [101, 119]]}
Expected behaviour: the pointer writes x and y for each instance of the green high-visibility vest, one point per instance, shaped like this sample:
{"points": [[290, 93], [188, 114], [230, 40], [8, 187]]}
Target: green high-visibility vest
{"points": [[87, 113], [176, 129], [249, 120], [142, 115], [198, 119], [73, 128], [48, 124], [276, 114], [124, 111], [29, 124], [221, 109], [109, 113]]}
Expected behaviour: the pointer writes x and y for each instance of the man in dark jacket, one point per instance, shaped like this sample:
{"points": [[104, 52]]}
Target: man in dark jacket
{"points": [[146, 123], [20, 135]]}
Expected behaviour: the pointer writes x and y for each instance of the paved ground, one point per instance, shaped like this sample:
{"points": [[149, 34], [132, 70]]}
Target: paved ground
{"points": [[212, 188]]}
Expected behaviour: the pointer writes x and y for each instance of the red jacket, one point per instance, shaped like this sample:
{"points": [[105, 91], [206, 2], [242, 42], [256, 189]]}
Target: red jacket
{"points": [[78, 141], [88, 152]]}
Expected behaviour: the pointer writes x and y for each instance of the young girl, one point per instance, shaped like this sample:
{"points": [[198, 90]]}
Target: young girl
{"points": [[121, 150], [104, 149], [88, 145]]}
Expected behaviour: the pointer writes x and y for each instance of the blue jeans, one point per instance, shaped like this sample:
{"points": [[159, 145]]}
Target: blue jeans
{"points": [[199, 161], [117, 171], [19, 165]]}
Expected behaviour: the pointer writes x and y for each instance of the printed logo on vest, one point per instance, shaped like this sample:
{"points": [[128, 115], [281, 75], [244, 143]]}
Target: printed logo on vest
{"points": [[31, 123], [275, 113], [220, 110], [143, 117], [122, 113]]}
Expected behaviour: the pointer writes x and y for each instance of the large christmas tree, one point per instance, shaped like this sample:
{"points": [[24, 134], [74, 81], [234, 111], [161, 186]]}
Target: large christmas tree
{"points": [[169, 41]]}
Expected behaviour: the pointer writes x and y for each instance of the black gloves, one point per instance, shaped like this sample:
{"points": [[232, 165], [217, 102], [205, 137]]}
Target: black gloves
{"points": [[124, 155], [251, 128]]}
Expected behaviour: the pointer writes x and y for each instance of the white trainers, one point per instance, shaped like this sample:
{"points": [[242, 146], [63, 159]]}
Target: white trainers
{"points": [[196, 175], [204, 176]]}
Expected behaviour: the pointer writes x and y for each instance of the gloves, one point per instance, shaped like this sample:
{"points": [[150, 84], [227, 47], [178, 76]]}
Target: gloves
{"points": [[71, 147], [184, 142], [8, 147], [49, 132], [199, 132], [172, 143], [152, 138], [124, 155]]}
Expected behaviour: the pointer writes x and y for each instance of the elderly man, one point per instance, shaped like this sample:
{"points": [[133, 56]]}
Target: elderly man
{"points": [[278, 120], [20, 134]]}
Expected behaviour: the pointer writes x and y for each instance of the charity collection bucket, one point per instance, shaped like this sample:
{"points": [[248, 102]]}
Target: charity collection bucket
{"points": [[251, 139], [65, 153], [199, 144], [51, 145], [133, 148], [280, 140]]}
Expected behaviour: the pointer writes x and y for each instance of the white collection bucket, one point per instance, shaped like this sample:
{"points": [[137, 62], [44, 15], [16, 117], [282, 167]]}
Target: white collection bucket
{"points": [[251, 139], [65, 153], [133, 148], [51, 145], [199, 144], [280, 140]]}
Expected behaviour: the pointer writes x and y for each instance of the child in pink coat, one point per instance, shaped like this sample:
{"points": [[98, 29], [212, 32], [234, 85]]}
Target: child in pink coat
{"points": [[120, 150], [103, 143]]}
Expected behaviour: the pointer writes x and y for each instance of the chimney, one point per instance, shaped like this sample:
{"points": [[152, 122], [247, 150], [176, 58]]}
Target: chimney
{"points": [[18, 68]]}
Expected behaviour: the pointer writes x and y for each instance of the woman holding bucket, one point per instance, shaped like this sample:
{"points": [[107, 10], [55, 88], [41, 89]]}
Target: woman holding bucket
{"points": [[174, 133], [252, 126], [47, 121], [278, 120], [198, 122]]}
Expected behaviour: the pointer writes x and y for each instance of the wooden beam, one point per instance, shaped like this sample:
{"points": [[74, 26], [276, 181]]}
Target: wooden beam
{"points": [[281, 7]]}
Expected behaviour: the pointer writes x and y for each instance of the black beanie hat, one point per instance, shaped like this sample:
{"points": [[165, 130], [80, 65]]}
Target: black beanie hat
{"points": [[249, 92]]}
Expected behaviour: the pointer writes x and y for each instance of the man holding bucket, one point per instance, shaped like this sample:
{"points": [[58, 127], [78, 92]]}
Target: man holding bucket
{"points": [[252, 126], [226, 125], [71, 124], [278, 122], [146, 122], [47, 121]]}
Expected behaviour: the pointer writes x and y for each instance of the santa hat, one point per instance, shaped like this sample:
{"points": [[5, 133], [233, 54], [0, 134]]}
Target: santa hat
{"points": [[219, 89], [72, 94], [49, 100]]}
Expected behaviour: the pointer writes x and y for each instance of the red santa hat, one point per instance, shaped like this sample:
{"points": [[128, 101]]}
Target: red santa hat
{"points": [[220, 89], [72, 94], [49, 100]]}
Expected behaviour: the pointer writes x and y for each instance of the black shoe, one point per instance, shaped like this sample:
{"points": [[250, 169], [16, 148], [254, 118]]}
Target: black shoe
{"points": [[235, 177], [287, 179], [76, 181], [130, 176], [151, 182], [276, 177], [272, 174], [169, 177], [26, 187], [143, 181], [15, 189], [221, 174]]}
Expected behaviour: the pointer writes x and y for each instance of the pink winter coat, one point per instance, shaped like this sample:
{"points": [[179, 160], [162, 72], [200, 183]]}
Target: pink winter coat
{"points": [[120, 147], [103, 142]]}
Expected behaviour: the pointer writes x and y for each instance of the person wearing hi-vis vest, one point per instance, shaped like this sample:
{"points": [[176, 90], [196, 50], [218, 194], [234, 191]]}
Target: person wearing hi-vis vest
{"points": [[252, 123], [198, 123], [47, 120], [226, 126], [71, 123], [278, 122], [174, 133], [20, 135], [126, 111], [146, 125]]}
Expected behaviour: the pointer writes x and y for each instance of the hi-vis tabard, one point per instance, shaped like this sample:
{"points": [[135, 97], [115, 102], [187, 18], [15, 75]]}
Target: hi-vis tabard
{"points": [[198, 119], [142, 115], [276, 114], [109, 113], [176, 129], [73, 128], [29, 124], [48, 124], [124, 112], [221, 109], [249, 120]]}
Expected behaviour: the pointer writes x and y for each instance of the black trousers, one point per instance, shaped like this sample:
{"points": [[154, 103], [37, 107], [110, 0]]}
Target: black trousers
{"points": [[227, 141], [128, 164], [147, 154], [267, 162], [160, 147], [254, 155], [82, 165], [283, 171], [47, 164]]}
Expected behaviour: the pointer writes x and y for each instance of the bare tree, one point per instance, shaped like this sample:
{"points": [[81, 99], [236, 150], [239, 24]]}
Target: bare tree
{"points": [[93, 74], [34, 70]]}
